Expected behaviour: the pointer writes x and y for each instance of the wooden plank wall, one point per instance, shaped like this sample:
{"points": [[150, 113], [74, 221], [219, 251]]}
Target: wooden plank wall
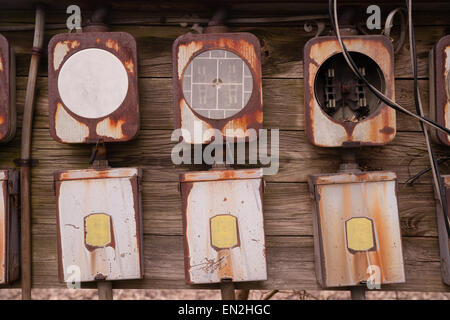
{"points": [[287, 205]]}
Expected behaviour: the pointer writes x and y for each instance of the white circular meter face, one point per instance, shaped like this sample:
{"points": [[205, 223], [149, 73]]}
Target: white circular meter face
{"points": [[217, 84], [93, 83]]}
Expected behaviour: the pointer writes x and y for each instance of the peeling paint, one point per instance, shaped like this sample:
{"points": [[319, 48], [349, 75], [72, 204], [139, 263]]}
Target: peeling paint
{"points": [[67, 128], [342, 254], [129, 65], [223, 239], [60, 51], [185, 52], [110, 128], [112, 44]]}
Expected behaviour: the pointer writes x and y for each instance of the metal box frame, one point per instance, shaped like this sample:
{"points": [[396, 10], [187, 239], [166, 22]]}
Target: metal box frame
{"points": [[7, 91], [110, 192], [207, 195], [247, 47], [338, 198], [378, 128], [439, 69], [444, 241], [120, 125], [9, 226]]}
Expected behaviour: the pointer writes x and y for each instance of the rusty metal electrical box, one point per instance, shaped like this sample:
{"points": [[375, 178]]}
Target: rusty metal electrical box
{"points": [[93, 87], [99, 224], [223, 226], [356, 229], [7, 91], [439, 60], [340, 111], [217, 85], [9, 226]]}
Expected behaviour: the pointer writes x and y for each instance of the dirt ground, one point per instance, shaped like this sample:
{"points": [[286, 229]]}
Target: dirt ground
{"points": [[89, 294]]}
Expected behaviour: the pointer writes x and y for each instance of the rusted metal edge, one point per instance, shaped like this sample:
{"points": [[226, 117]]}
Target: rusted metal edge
{"points": [[82, 174], [8, 88], [319, 266], [216, 175], [11, 226], [355, 177]]}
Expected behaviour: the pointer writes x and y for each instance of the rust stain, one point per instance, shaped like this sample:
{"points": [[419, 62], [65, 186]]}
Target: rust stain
{"points": [[245, 49], [87, 174], [380, 230], [243, 123], [112, 44], [111, 128], [226, 266], [354, 177], [214, 175], [387, 130], [318, 51], [129, 65], [2, 120], [1, 64]]}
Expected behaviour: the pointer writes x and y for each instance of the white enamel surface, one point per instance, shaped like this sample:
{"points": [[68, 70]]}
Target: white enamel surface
{"points": [[243, 201], [113, 196], [93, 83], [217, 84]]}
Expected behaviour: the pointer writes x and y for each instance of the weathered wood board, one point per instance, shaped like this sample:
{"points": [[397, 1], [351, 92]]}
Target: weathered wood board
{"points": [[287, 207]]}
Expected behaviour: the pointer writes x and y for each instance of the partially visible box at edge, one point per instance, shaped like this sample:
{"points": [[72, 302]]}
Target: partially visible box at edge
{"points": [[9, 226]]}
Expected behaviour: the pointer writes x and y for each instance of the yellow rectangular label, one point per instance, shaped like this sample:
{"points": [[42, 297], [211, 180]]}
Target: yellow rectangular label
{"points": [[360, 235], [224, 233], [98, 229]]}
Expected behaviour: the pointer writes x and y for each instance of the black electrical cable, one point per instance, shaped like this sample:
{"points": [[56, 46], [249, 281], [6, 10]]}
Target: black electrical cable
{"points": [[434, 165], [374, 90], [413, 179]]}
